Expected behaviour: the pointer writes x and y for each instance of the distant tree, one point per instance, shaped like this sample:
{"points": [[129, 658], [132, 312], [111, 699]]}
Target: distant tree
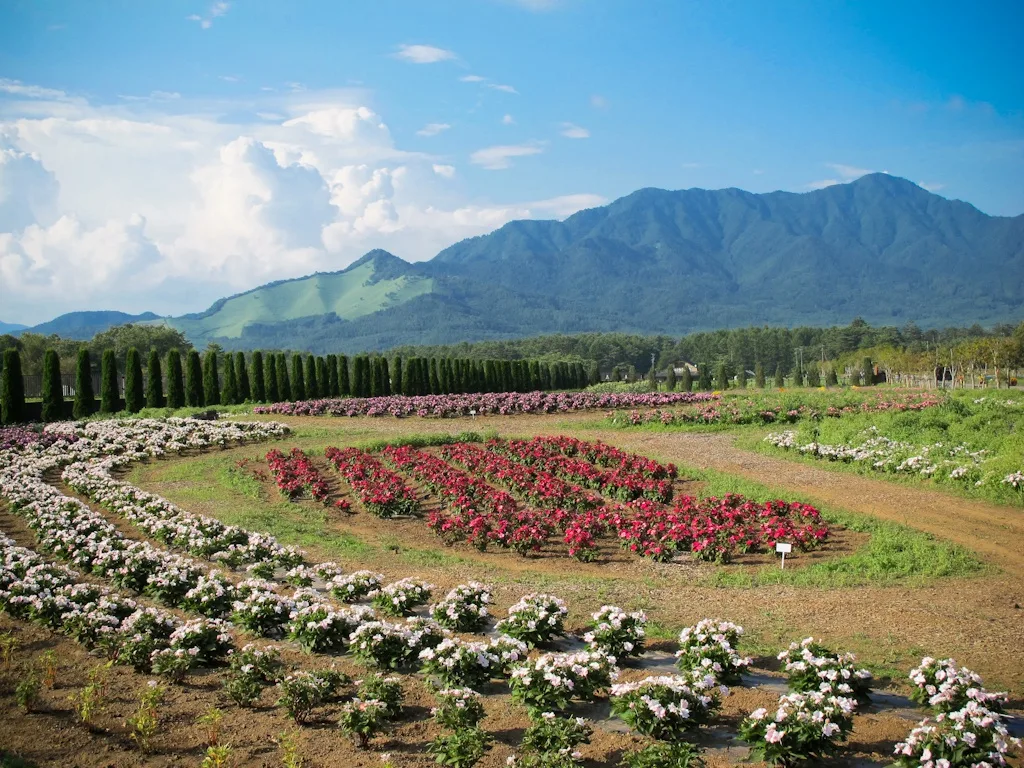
{"points": [[831, 379], [312, 383], [110, 397], [722, 377], [814, 376], [175, 381], [284, 383], [867, 371], [12, 388], [134, 395], [686, 380], [244, 387], [154, 380], [260, 381], [385, 377], [704, 377], [53, 389], [780, 380], [741, 377], [360, 384], [332, 375], [121, 338], [435, 383], [211, 378], [323, 384], [298, 381], [397, 385], [229, 392], [85, 399], [193, 380], [344, 382], [670, 378], [759, 375]]}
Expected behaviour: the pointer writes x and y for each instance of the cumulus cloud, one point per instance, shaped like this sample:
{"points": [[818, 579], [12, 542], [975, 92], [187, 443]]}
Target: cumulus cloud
{"points": [[444, 171], [500, 157], [28, 191], [206, 20], [423, 54], [17, 88], [432, 129], [572, 131]]}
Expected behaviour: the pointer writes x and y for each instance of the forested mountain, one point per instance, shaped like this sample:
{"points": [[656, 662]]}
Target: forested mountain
{"points": [[656, 261]]}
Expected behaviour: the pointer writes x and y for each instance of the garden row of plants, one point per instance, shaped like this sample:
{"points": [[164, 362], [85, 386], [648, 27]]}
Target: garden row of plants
{"points": [[826, 686]]}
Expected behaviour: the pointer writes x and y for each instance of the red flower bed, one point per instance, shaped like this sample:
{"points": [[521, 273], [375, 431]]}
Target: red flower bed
{"points": [[295, 473], [716, 529], [381, 491], [628, 476]]}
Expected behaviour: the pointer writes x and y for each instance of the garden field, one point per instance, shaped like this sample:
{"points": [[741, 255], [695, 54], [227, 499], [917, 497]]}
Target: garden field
{"points": [[320, 585]]}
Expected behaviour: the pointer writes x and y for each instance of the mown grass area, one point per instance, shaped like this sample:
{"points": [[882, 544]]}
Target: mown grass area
{"points": [[989, 425]]}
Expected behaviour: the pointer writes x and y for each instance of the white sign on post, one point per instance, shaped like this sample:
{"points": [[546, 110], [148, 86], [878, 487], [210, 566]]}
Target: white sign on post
{"points": [[783, 548]]}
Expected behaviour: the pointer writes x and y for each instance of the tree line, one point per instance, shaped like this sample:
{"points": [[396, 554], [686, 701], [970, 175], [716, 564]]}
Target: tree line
{"points": [[174, 380]]}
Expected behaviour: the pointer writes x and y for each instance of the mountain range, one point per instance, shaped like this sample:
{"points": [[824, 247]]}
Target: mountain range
{"points": [[655, 261]]}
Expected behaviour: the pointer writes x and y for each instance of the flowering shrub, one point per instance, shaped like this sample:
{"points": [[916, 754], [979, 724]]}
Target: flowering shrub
{"points": [[805, 726], [464, 608], [295, 473], [710, 647], [318, 628], [382, 644], [261, 611], [462, 748], [616, 632], [458, 708], [302, 692], [460, 663], [173, 663], [400, 597], [965, 738], [209, 637], [536, 619], [300, 576], [145, 631], [386, 690], [508, 651], [677, 754], [381, 491], [252, 668], [212, 595], [943, 686], [552, 742], [665, 707], [813, 667], [362, 720], [550, 681], [355, 586]]}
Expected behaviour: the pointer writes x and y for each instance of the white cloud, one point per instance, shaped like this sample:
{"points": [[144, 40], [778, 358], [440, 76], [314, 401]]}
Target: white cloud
{"points": [[822, 183], [508, 120], [17, 88], [423, 54], [216, 10], [153, 96], [184, 202], [758, 172], [572, 131], [432, 129], [597, 101], [848, 171], [931, 187], [471, 79], [537, 5], [230, 78], [500, 157], [502, 87]]}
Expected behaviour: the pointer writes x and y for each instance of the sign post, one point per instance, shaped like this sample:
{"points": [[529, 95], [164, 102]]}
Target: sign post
{"points": [[783, 548]]}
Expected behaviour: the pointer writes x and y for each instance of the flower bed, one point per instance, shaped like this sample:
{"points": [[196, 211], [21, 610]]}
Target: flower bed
{"points": [[710, 647], [805, 727], [813, 667], [616, 632], [504, 403], [295, 473], [549, 682], [668, 706], [965, 738], [382, 492], [944, 687]]}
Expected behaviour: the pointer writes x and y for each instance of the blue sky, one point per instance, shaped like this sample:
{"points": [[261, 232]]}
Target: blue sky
{"points": [[193, 149]]}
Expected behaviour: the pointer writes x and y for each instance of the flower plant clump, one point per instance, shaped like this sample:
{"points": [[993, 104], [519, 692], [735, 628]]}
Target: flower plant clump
{"points": [[362, 719], [944, 687], [710, 646], [356, 586], [668, 706], [813, 667], [460, 663], [401, 597], [381, 491], [551, 681], [553, 742], [383, 644], [616, 632], [319, 628], [301, 692], [804, 727], [509, 652], [971, 737], [464, 608], [386, 690], [676, 754], [458, 708], [536, 619]]}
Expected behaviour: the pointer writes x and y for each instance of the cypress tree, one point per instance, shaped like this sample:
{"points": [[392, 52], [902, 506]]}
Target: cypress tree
{"points": [[134, 397], [670, 379], [284, 384], [759, 375], [443, 380], [264, 378], [85, 399], [385, 377], [397, 385], [193, 380], [722, 377], [780, 380], [435, 383], [535, 384], [323, 384], [813, 376], [741, 377], [53, 389], [344, 384], [12, 389], [704, 377], [311, 381], [229, 394], [686, 380], [545, 376], [154, 381], [332, 375], [831, 379], [211, 379], [110, 399], [489, 377], [175, 382], [359, 388], [373, 375], [298, 381], [867, 371], [244, 387]]}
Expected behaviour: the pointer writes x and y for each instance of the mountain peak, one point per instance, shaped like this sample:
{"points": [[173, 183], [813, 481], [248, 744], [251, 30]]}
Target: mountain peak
{"points": [[378, 257]]}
